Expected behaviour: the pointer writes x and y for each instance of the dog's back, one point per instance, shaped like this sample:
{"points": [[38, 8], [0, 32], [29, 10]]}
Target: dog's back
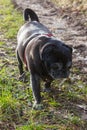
{"points": [[31, 27]]}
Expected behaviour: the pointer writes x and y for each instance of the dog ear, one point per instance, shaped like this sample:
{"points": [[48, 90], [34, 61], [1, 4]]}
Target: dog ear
{"points": [[47, 50], [70, 48]]}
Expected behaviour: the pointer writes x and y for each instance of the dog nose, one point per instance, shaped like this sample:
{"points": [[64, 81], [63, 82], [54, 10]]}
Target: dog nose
{"points": [[65, 73]]}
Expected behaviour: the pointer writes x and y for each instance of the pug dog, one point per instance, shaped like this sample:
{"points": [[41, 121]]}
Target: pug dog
{"points": [[44, 56]]}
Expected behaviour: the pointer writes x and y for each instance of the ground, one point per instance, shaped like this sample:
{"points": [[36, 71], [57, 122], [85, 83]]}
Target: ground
{"points": [[67, 104]]}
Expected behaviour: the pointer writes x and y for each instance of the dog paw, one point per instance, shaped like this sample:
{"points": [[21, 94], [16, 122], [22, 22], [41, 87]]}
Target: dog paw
{"points": [[37, 106], [23, 78]]}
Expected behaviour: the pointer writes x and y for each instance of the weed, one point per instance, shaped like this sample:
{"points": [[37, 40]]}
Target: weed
{"points": [[2, 43], [30, 127], [53, 103]]}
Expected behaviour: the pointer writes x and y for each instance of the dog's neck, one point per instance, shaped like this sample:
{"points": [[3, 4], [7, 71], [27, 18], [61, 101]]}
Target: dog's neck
{"points": [[48, 34], [33, 37]]}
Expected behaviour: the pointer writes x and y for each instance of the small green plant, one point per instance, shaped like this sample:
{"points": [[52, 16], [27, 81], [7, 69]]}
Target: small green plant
{"points": [[31, 127], [2, 43], [54, 103]]}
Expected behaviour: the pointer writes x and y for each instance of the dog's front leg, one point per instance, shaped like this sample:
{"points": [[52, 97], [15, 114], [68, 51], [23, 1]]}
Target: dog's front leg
{"points": [[35, 83]]}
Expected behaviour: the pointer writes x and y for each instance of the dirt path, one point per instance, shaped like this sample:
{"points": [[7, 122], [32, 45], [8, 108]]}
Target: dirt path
{"points": [[64, 27]]}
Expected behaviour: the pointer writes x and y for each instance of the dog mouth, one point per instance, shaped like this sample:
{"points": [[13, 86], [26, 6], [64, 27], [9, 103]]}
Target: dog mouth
{"points": [[59, 74], [58, 70]]}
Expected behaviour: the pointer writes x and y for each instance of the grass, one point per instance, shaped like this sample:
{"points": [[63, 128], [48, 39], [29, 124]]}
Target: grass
{"points": [[60, 112], [9, 19]]}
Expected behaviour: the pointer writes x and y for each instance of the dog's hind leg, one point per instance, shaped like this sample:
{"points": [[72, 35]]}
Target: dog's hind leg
{"points": [[20, 64], [22, 76]]}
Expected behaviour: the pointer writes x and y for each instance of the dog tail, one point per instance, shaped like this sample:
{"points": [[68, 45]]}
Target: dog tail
{"points": [[30, 13]]}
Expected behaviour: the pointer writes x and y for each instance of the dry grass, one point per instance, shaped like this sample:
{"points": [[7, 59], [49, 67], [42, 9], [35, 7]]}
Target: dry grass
{"points": [[74, 4]]}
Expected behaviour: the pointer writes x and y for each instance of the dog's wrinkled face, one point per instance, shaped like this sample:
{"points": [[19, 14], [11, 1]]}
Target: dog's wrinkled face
{"points": [[58, 70], [58, 60]]}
